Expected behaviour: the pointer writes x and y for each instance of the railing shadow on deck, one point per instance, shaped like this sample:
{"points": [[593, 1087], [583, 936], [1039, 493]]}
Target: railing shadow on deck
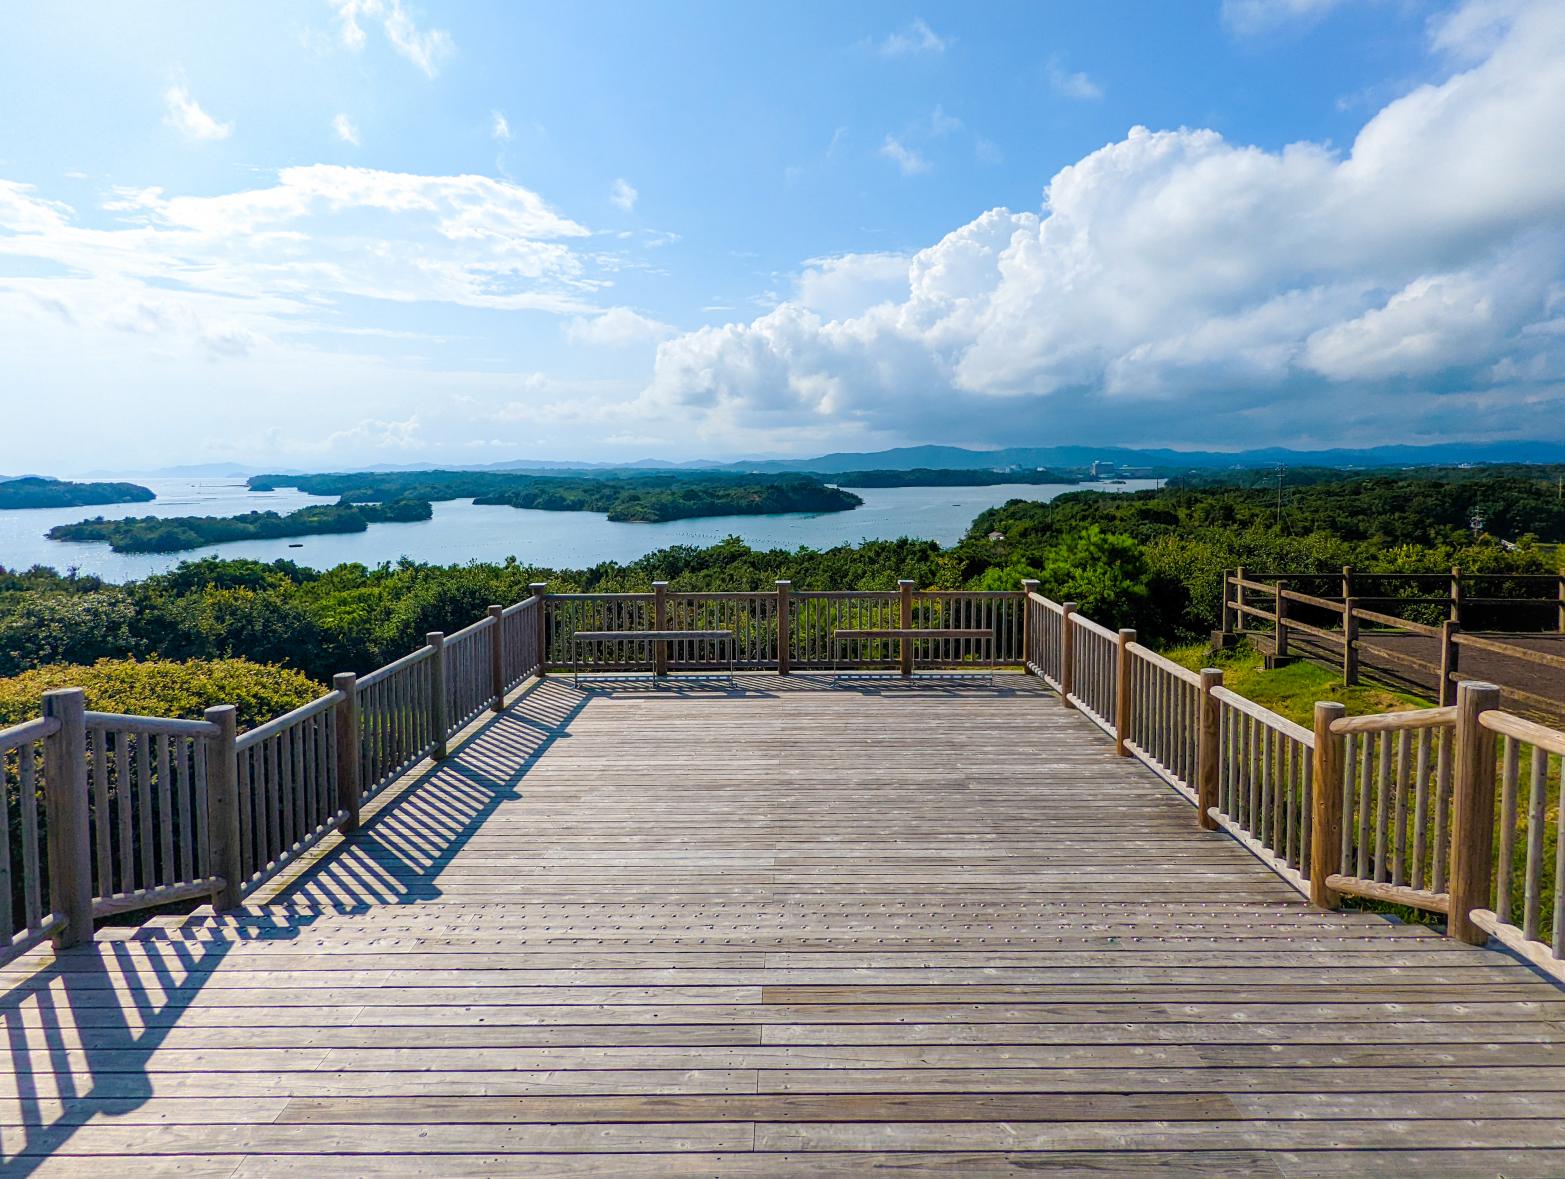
{"points": [[89, 1057], [399, 854], [71, 1064]]}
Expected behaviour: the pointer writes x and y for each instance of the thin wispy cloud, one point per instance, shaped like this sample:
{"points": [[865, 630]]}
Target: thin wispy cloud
{"points": [[941, 123], [908, 159], [184, 114], [499, 127], [1258, 18], [345, 129], [428, 49], [1071, 83], [916, 38], [623, 195]]}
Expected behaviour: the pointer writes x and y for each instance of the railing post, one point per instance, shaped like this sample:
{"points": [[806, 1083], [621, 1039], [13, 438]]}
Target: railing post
{"points": [[223, 829], [1228, 613], [68, 850], [1456, 594], [1450, 656], [906, 587], [1067, 653], [1029, 587], [439, 708], [1472, 810], [1280, 608], [784, 626], [1347, 582], [1560, 593], [1350, 642], [497, 658], [349, 783], [1122, 691], [540, 593], [1238, 600], [1208, 754], [659, 622], [1326, 803]]}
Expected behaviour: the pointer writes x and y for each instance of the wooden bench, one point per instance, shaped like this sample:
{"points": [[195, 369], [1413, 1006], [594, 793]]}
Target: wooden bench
{"points": [[907, 635], [581, 638]]}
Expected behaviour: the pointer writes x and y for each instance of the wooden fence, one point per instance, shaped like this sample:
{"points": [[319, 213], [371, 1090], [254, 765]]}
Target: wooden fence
{"points": [[110, 814], [1334, 626], [1452, 810], [785, 629]]}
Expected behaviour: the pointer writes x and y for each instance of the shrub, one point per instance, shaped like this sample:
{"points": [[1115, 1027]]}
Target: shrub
{"points": [[160, 687]]}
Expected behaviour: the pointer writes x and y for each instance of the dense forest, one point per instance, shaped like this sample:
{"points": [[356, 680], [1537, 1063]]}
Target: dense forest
{"points": [[33, 492], [1152, 560], [173, 534], [631, 496]]}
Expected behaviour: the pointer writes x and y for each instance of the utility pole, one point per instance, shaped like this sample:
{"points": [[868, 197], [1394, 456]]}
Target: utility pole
{"points": [[1279, 496]]}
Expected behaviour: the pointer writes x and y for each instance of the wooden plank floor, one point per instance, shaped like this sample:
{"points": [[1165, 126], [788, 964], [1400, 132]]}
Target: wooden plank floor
{"points": [[793, 928]]}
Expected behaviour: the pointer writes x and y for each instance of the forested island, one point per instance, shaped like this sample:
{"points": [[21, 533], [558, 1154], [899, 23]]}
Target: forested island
{"points": [[1152, 560], [173, 534], [952, 477], [31, 491], [653, 499], [628, 497]]}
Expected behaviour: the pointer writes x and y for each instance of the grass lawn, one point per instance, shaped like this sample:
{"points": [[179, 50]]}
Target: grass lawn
{"points": [[1292, 691]]}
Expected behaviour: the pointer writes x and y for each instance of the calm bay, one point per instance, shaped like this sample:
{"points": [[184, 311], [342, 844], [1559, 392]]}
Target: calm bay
{"points": [[462, 531]]}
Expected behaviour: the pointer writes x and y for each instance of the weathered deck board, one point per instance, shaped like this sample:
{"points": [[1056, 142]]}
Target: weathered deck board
{"points": [[795, 928]]}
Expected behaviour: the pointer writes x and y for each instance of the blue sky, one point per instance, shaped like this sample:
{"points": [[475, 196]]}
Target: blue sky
{"points": [[336, 232]]}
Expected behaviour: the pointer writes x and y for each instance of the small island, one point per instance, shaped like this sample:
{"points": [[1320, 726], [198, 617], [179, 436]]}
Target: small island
{"points": [[32, 491], [632, 497], [172, 534]]}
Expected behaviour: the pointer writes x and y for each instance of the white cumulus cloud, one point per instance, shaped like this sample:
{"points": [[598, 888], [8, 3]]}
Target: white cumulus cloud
{"points": [[618, 327], [184, 114], [1176, 286]]}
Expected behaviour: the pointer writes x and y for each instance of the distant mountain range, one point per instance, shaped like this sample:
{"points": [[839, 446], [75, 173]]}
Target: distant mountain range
{"points": [[904, 458], [1163, 460]]}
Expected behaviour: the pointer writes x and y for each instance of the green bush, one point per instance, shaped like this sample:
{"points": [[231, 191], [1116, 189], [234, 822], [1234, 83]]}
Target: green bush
{"points": [[161, 687]]}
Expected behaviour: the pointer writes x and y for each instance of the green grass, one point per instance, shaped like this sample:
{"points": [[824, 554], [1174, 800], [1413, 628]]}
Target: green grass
{"points": [[1292, 691]]}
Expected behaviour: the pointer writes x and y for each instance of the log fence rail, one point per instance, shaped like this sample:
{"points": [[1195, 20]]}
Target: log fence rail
{"points": [[1265, 605]]}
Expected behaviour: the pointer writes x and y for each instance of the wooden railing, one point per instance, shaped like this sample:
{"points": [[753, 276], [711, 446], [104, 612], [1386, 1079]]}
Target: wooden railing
{"points": [[1452, 810], [1272, 607], [787, 630], [289, 786], [30, 758], [110, 814]]}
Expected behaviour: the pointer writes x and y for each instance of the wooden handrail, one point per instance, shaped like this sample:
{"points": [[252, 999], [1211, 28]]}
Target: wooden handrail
{"points": [[1096, 628], [1395, 722], [168, 726], [1162, 663], [1540, 736], [27, 732]]}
